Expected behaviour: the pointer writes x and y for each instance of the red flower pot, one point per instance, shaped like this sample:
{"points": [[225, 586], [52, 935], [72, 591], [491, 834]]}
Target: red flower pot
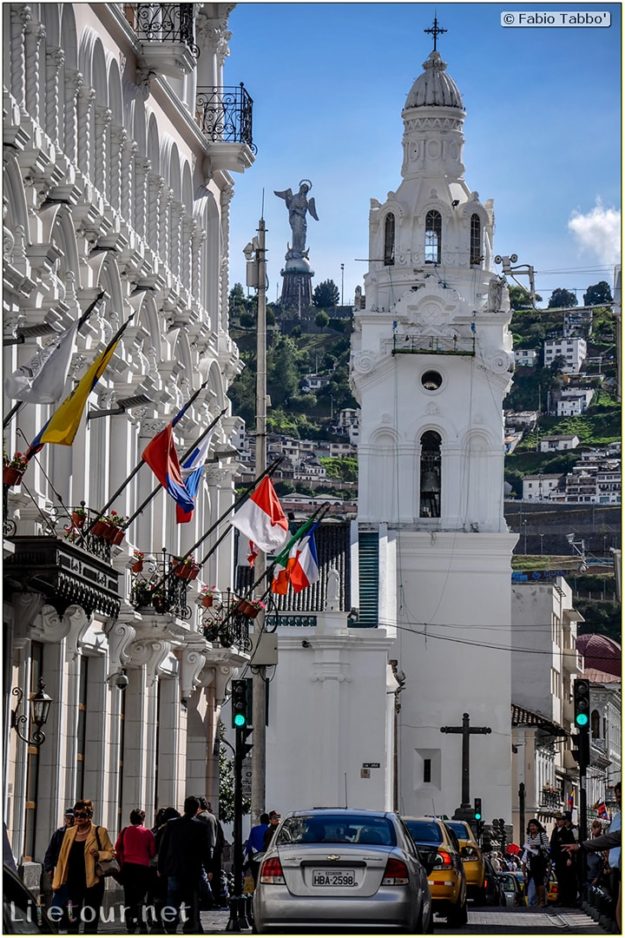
{"points": [[101, 529], [194, 572], [247, 609], [137, 566], [116, 535], [206, 601], [78, 519], [12, 476], [186, 571]]}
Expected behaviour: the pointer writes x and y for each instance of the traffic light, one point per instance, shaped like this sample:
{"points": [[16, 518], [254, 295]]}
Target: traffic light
{"points": [[581, 703], [242, 748], [477, 809], [241, 705], [580, 748]]}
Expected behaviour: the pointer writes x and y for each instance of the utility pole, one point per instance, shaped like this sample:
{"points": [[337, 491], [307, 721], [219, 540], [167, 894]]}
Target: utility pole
{"points": [[257, 277]]}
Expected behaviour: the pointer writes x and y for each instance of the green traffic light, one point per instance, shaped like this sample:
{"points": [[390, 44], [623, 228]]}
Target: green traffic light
{"points": [[478, 817], [582, 719], [239, 719]]}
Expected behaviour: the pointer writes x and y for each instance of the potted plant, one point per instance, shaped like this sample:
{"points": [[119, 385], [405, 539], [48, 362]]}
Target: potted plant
{"points": [[249, 607], [78, 516], [136, 561], [207, 596], [14, 468], [159, 601], [185, 568], [110, 527]]}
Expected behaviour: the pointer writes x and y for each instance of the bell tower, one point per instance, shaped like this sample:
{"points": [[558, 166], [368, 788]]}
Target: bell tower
{"points": [[431, 363]]}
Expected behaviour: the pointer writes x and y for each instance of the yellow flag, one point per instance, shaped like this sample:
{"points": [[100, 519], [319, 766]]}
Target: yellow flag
{"points": [[64, 422]]}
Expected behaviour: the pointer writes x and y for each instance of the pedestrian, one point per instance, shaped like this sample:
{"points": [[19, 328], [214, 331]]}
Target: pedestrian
{"points": [[614, 856], [535, 859], [183, 850], [595, 862], [220, 894], [255, 846], [610, 841], [135, 848], [54, 848], [568, 823], [83, 844], [206, 816], [274, 820], [157, 895], [566, 873]]}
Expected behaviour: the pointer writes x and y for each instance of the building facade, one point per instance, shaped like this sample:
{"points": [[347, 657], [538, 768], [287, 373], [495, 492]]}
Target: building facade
{"points": [[117, 185], [572, 350], [431, 363]]}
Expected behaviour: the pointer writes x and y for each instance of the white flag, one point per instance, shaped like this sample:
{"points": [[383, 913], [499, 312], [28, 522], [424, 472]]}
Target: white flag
{"points": [[42, 379]]}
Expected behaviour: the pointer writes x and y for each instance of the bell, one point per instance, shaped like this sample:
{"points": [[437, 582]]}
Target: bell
{"points": [[431, 483]]}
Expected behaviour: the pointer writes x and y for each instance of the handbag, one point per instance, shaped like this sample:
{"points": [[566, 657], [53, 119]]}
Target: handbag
{"points": [[104, 868]]}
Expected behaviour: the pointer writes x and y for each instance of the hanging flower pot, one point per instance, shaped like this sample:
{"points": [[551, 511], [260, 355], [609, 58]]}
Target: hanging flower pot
{"points": [[117, 535], [78, 518], [11, 476], [101, 529], [245, 608], [186, 570], [206, 600], [136, 566]]}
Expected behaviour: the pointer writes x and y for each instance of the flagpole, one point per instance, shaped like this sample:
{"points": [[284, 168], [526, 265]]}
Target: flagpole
{"points": [[135, 470], [186, 455], [83, 319]]}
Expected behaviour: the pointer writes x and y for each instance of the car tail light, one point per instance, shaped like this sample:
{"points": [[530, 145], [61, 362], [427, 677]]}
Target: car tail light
{"points": [[485, 884], [443, 860], [396, 873], [271, 871]]}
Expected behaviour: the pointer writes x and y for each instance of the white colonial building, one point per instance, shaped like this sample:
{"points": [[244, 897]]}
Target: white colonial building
{"points": [[571, 349], [119, 142], [431, 363]]}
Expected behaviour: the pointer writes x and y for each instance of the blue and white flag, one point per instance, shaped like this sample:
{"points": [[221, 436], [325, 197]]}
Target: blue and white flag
{"points": [[192, 472]]}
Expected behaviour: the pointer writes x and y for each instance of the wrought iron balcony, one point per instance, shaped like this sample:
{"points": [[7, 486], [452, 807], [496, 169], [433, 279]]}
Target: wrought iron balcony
{"points": [[224, 115], [228, 623], [159, 584], [433, 345], [63, 573], [167, 36]]}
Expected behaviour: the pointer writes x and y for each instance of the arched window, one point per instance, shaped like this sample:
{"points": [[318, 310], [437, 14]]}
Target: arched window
{"points": [[430, 486], [476, 240], [595, 725], [389, 240], [433, 231]]}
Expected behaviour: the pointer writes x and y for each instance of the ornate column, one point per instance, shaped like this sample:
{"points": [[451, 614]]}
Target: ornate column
{"points": [[20, 20], [102, 120], [225, 200], [156, 184], [176, 215], [186, 248], [128, 156], [118, 139], [164, 206], [86, 97], [198, 237], [142, 167], [73, 84], [35, 33], [54, 60]]}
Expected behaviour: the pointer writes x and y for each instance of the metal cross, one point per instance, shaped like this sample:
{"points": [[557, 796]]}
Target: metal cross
{"points": [[436, 30], [466, 731]]}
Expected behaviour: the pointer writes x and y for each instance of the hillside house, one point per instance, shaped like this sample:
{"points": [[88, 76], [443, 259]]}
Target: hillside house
{"points": [[539, 488], [553, 444], [525, 357], [572, 350]]}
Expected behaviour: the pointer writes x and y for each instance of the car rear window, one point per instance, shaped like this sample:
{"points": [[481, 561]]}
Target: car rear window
{"points": [[460, 830], [337, 829], [424, 832]]}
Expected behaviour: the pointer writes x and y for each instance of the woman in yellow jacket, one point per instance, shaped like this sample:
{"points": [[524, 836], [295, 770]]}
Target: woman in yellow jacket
{"points": [[74, 873]]}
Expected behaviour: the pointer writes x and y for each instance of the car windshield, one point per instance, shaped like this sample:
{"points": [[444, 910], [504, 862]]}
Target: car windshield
{"points": [[424, 832], [460, 830], [337, 829]]}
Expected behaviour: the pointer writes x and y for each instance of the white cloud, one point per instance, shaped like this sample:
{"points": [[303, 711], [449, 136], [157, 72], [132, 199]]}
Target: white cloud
{"points": [[598, 231]]}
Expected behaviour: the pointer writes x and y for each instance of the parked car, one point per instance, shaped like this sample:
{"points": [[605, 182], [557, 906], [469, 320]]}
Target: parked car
{"points": [[330, 866], [472, 859], [21, 913], [511, 888], [447, 880]]}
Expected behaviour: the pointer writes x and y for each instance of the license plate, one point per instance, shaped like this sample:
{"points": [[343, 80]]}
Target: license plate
{"points": [[333, 878]]}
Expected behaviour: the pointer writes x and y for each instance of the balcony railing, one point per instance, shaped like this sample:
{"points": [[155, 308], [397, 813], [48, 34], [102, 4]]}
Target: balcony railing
{"points": [[159, 583], [224, 114], [224, 623], [164, 22], [550, 799], [433, 345]]}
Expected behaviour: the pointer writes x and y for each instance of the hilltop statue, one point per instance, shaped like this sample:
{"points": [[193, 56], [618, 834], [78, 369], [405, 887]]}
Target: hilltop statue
{"points": [[298, 205]]}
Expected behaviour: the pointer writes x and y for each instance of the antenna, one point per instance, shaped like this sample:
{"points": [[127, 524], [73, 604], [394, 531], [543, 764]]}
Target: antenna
{"points": [[262, 205], [345, 775]]}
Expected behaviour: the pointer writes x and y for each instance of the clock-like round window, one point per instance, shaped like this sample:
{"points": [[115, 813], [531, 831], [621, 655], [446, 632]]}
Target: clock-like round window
{"points": [[431, 380]]}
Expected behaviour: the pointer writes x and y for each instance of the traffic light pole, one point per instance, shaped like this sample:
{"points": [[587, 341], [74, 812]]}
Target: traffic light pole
{"points": [[238, 919], [583, 807]]}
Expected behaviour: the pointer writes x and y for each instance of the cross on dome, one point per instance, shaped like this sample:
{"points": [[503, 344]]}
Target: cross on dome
{"points": [[435, 30]]}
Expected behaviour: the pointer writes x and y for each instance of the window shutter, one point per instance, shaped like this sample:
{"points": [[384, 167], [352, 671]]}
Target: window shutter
{"points": [[369, 567]]}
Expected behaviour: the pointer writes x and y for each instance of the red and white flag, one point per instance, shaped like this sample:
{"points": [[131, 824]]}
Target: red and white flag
{"points": [[261, 518]]}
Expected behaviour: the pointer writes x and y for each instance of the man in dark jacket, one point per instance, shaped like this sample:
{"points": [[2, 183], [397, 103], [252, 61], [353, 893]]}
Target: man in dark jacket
{"points": [[184, 849], [54, 847], [566, 873]]}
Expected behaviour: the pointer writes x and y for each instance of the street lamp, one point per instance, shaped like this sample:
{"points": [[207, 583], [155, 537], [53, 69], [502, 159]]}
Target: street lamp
{"points": [[39, 710], [525, 536], [342, 281]]}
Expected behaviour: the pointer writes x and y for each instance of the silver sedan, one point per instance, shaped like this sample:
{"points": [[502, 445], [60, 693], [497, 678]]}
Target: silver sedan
{"points": [[341, 868]]}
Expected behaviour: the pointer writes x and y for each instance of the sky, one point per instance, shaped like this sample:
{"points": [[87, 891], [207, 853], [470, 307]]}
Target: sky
{"points": [[542, 129]]}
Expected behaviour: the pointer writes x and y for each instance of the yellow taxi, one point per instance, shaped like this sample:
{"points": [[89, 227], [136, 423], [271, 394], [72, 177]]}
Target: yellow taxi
{"points": [[472, 858], [447, 881]]}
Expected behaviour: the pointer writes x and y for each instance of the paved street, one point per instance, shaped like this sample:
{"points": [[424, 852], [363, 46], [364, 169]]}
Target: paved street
{"points": [[482, 921]]}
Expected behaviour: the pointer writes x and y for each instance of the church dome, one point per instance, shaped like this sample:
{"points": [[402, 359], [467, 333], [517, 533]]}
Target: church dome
{"points": [[600, 652], [434, 88]]}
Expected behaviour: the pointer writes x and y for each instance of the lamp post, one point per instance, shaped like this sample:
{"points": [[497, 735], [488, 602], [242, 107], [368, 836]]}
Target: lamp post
{"points": [[525, 536], [342, 281], [39, 710], [541, 536]]}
